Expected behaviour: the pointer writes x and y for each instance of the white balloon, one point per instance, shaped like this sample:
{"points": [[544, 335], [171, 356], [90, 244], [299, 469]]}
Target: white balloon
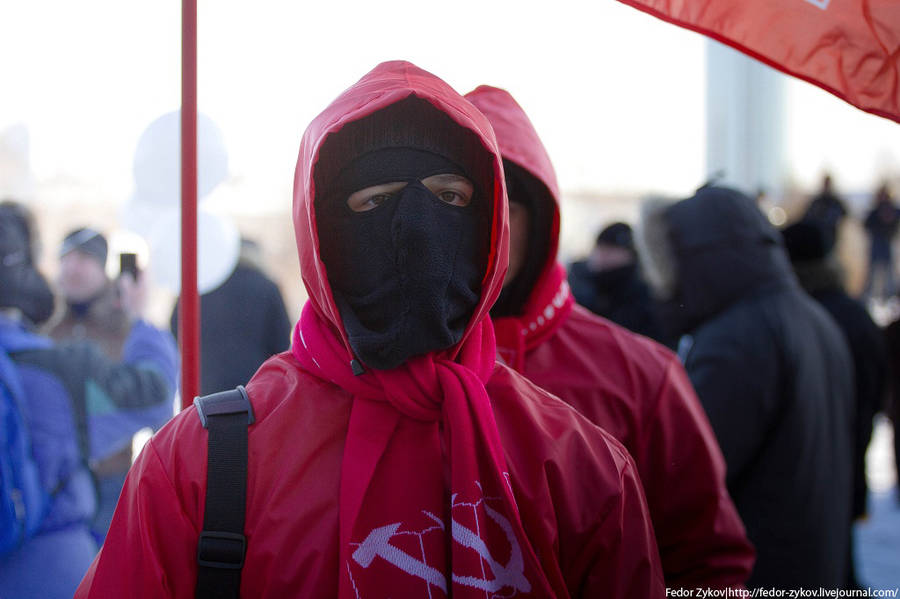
{"points": [[218, 250], [141, 217], [157, 160]]}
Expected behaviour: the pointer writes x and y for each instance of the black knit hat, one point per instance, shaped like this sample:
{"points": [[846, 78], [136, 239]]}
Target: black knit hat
{"points": [[618, 235], [85, 240], [807, 241], [409, 123]]}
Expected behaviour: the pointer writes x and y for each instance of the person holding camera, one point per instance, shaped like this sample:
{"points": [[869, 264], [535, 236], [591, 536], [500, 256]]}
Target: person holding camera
{"points": [[103, 310], [72, 403]]}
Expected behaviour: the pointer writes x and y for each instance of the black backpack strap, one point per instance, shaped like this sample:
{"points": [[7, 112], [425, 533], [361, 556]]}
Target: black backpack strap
{"points": [[222, 545]]}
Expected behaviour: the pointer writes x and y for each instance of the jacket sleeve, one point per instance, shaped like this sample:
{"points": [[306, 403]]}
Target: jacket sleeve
{"points": [[702, 541], [146, 375], [151, 348], [151, 548]]}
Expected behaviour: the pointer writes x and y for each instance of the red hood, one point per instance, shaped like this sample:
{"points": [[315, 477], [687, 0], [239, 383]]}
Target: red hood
{"points": [[518, 140], [550, 300], [383, 86]]}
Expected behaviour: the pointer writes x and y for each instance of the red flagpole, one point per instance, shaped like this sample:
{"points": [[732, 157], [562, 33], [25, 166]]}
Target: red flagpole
{"points": [[189, 303]]}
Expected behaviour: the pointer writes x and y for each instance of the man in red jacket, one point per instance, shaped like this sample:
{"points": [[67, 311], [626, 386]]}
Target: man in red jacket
{"points": [[629, 385], [391, 456]]}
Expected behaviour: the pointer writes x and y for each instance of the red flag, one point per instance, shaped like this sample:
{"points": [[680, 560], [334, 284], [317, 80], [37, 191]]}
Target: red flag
{"points": [[850, 48]]}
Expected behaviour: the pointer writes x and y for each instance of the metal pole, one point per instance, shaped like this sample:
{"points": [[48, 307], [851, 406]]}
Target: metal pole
{"points": [[189, 304]]}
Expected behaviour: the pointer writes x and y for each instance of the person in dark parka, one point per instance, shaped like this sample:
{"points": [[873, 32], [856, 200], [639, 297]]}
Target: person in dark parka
{"points": [[882, 224], [812, 255], [773, 372], [811, 250], [609, 283], [243, 323], [826, 208]]}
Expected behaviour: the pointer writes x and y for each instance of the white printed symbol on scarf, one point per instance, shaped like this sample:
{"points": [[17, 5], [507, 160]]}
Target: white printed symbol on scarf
{"points": [[510, 575], [823, 4]]}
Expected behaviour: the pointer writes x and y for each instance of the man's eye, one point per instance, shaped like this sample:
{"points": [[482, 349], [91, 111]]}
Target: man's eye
{"points": [[453, 197], [374, 196], [452, 189], [373, 202]]}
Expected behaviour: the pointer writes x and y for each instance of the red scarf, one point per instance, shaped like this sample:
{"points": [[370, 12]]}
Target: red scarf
{"points": [[548, 305], [422, 455]]}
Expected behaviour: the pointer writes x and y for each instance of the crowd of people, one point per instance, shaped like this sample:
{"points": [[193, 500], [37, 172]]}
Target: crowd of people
{"points": [[455, 413]]}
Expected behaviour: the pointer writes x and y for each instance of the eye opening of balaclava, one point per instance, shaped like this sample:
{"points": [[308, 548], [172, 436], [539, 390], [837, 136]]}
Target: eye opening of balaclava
{"points": [[524, 188], [406, 276]]}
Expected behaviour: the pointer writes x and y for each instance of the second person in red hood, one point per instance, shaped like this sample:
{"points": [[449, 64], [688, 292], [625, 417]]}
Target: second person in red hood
{"points": [[627, 384], [391, 456]]}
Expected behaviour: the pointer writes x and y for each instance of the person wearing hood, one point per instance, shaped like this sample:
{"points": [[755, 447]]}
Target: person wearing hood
{"points": [[71, 398], [34, 298], [390, 454], [609, 283], [773, 372], [815, 262], [627, 384]]}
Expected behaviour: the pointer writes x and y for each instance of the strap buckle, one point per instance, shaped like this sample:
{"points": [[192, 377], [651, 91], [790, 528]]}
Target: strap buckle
{"points": [[223, 550], [233, 401]]}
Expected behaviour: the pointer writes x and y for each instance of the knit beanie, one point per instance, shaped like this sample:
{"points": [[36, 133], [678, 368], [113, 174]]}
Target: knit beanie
{"points": [[85, 240], [807, 241], [409, 123], [617, 235]]}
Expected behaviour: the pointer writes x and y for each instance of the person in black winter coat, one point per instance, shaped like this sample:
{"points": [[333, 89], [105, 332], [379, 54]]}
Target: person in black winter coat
{"points": [[773, 372], [826, 208], [243, 322], [812, 253], [882, 224], [609, 283]]}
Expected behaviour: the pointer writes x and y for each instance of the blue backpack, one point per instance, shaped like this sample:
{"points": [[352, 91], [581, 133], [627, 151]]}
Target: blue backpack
{"points": [[23, 501]]}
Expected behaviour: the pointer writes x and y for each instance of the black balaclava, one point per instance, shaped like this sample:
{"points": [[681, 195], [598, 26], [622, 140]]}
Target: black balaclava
{"points": [[524, 188], [406, 275]]}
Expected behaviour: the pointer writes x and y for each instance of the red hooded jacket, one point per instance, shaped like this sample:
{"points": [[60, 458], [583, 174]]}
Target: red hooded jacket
{"points": [[631, 386], [357, 484]]}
